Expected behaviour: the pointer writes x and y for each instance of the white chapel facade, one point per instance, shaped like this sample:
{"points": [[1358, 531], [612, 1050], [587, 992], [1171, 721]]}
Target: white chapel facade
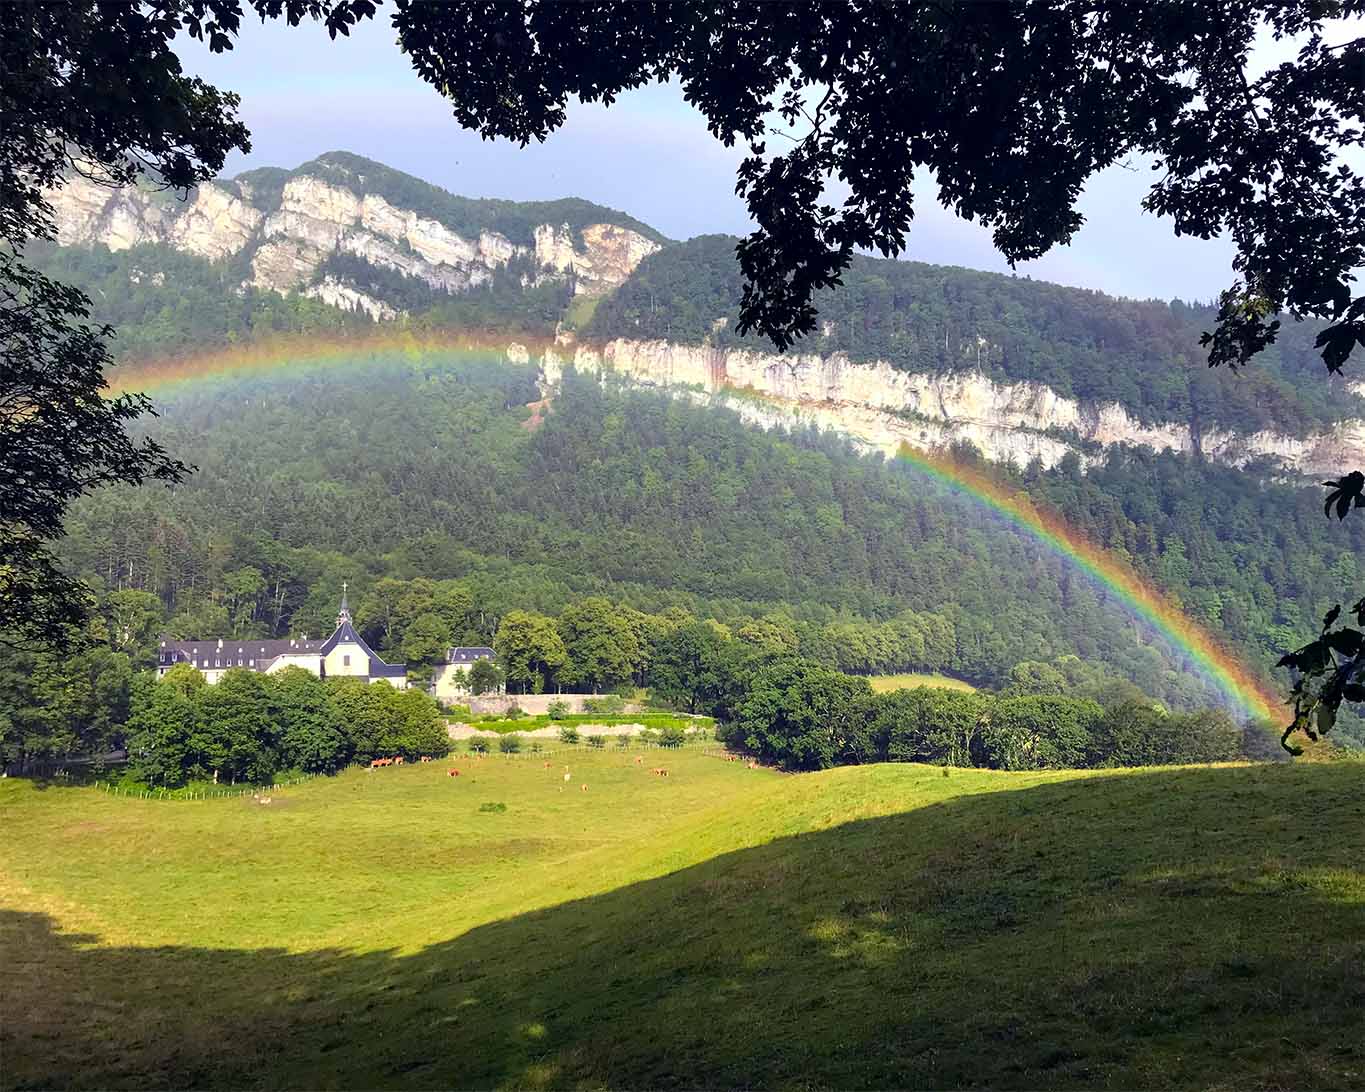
{"points": [[342, 655]]}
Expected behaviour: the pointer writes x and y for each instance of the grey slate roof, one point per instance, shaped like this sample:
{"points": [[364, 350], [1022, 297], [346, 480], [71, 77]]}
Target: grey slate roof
{"points": [[258, 655], [214, 652], [468, 654]]}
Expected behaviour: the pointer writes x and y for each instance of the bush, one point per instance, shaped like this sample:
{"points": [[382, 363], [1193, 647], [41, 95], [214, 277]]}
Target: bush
{"points": [[514, 712], [557, 710], [568, 734], [536, 746], [608, 705], [597, 742], [479, 745], [493, 806], [453, 710], [509, 745], [672, 736], [624, 740]]}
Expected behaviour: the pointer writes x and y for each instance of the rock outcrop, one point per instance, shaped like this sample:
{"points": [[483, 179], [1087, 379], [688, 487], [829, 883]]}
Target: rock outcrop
{"points": [[316, 218], [881, 408]]}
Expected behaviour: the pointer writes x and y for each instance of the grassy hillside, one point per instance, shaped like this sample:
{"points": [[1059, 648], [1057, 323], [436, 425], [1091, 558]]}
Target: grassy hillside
{"points": [[889, 925]]}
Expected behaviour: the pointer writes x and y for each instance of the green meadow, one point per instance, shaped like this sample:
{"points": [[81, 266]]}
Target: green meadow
{"points": [[889, 925], [882, 683]]}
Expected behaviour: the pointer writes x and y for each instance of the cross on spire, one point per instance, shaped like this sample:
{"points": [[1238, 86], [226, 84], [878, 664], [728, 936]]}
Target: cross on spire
{"points": [[343, 615]]}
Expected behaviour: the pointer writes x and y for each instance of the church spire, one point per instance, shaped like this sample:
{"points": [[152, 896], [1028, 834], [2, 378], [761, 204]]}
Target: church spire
{"points": [[343, 615]]}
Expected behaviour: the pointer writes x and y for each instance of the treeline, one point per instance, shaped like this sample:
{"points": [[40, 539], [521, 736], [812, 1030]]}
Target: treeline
{"points": [[1145, 356], [160, 300], [802, 715], [250, 727], [413, 474]]}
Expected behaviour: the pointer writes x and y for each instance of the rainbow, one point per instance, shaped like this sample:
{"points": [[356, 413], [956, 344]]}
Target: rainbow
{"points": [[311, 352], [1243, 690], [1239, 685]]}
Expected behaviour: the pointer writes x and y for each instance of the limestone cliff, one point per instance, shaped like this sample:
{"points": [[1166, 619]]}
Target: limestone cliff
{"points": [[881, 408], [314, 218]]}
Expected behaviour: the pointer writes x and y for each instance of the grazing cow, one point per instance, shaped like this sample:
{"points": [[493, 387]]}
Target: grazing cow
{"points": [[585, 789], [399, 760], [547, 765], [426, 758], [659, 771], [751, 765], [453, 773], [376, 763], [639, 760]]}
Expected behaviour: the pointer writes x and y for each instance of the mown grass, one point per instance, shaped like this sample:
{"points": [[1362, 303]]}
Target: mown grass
{"points": [[877, 926], [910, 680], [653, 721]]}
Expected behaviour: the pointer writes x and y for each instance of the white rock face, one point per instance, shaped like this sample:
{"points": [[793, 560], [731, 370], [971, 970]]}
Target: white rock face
{"points": [[609, 255], [213, 222], [216, 225], [349, 298], [316, 219], [881, 408]]}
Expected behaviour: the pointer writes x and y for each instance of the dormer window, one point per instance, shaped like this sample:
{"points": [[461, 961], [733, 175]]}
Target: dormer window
{"points": [[345, 661]]}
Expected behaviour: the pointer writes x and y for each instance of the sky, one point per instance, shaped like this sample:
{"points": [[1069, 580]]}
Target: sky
{"points": [[649, 155]]}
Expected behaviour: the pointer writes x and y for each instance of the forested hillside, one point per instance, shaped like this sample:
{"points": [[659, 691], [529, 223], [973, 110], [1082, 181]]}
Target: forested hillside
{"points": [[1144, 356], [424, 470]]}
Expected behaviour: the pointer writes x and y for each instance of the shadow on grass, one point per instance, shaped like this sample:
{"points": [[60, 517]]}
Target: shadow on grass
{"points": [[1175, 928]]}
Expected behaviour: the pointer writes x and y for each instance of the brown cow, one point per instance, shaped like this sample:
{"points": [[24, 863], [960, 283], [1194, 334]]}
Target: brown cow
{"points": [[659, 771], [453, 773], [426, 758], [398, 761], [585, 788], [639, 760], [376, 763], [751, 765]]}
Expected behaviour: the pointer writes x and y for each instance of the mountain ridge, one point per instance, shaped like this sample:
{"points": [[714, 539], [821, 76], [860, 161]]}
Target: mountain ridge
{"points": [[904, 352]]}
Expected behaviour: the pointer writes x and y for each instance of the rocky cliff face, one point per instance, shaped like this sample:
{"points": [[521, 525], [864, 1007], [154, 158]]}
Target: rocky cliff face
{"points": [[881, 408], [316, 218]]}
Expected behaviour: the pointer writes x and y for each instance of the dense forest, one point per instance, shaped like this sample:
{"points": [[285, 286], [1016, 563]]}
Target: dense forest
{"points": [[1145, 356], [425, 470]]}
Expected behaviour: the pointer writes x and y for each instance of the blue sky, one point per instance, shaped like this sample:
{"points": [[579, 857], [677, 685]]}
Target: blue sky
{"points": [[649, 155]]}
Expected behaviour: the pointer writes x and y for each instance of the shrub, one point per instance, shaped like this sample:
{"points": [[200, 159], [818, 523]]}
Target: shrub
{"points": [[624, 740], [608, 705], [672, 736], [514, 712], [493, 806], [597, 742], [568, 734], [557, 710], [479, 745], [509, 745], [536, 746], [649, 735]]}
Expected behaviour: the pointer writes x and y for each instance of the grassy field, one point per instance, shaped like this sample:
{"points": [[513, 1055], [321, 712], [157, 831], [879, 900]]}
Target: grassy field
{"points": [[883, 683], [653, 721], [887, 925]]}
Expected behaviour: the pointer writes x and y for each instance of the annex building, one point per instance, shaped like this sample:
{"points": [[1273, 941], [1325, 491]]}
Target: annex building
{"points": [[448, 680], [342, 655]]}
